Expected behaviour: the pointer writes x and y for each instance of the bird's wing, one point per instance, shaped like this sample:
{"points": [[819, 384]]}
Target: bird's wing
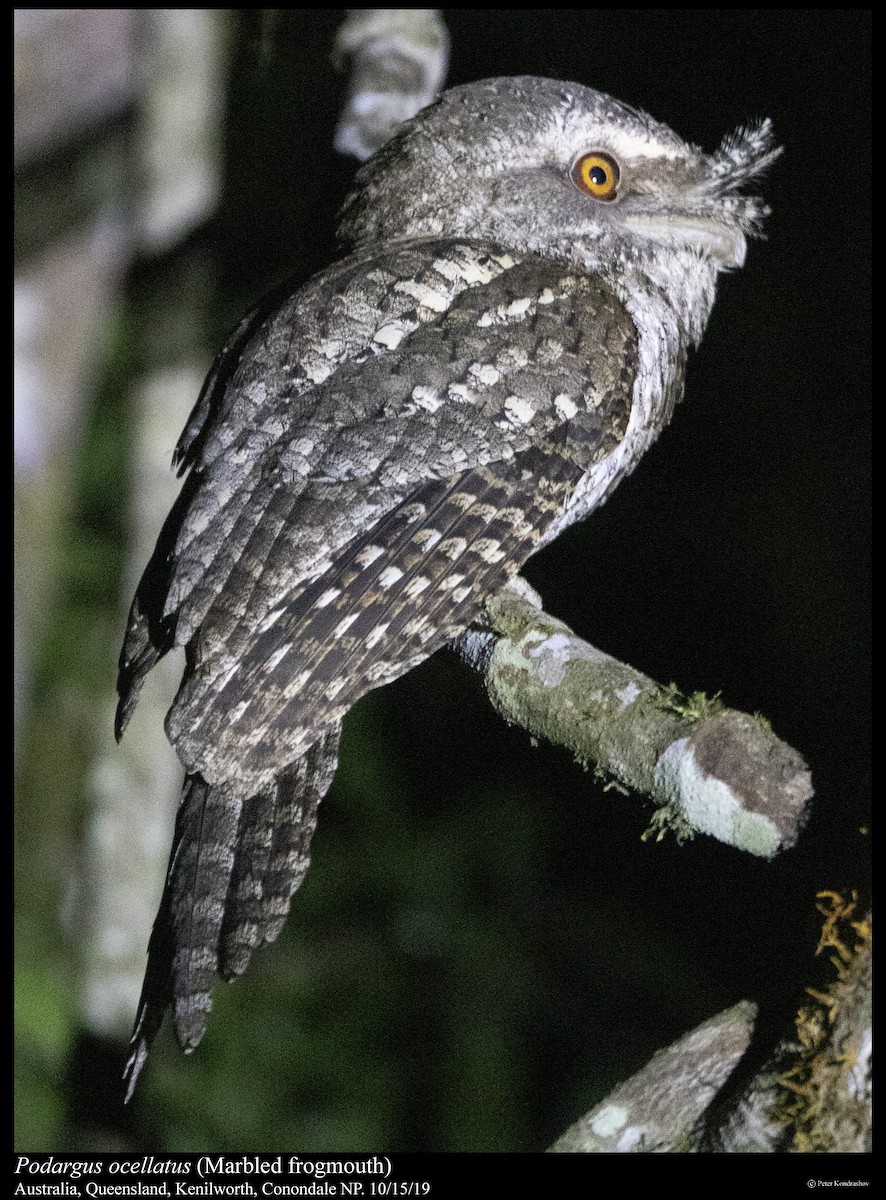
{"points": [[381, 375], [264, 393], [473, 432], [525, 377]]}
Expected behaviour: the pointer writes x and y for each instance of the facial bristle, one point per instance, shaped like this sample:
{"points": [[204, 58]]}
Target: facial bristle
{"points": [[744, 153]]}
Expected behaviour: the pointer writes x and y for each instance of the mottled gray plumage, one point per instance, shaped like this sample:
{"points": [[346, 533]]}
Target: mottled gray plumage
{"points": [[373, 457]]}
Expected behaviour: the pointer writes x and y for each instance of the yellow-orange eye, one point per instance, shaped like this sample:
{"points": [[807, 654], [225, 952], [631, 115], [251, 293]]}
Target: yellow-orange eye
{"points": [[598, 175]]}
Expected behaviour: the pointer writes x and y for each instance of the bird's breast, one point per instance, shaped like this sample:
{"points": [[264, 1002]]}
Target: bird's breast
{"points": [[657, 388]]}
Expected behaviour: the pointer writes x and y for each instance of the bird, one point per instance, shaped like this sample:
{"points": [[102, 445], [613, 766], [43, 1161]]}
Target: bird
{"points": [[526, 265]]}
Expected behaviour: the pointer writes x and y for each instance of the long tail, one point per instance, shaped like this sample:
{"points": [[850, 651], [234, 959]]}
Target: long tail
{"points": [[234, 866]]}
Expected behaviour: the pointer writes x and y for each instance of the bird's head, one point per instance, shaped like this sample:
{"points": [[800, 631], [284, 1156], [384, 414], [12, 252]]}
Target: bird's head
{"points": [[558, 168]]}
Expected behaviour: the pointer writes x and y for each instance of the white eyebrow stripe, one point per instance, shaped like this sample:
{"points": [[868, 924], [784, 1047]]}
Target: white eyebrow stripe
{"points": [[625, 144]]}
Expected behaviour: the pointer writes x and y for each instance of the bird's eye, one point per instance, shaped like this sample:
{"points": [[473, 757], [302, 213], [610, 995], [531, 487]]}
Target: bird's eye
{"points": [[597, 174]]}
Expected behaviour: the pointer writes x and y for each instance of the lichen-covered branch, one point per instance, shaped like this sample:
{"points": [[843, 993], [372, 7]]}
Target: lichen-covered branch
{"points": [[812, 1096], [398, 60], [662, 1107], [710, 768]]}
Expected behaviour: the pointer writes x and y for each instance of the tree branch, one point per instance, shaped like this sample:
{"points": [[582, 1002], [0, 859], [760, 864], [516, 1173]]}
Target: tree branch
{"points": [[812, 1096], [710, 768], [399, 58], [661, 1108]]}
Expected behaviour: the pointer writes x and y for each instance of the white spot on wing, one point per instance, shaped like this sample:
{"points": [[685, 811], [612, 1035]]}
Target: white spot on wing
{"points": [[328, 596], [389, 576], [417, 586], [381, 672], [516, 518], [298, 683], [425, 295], [226, 678], [376, 635], [460, 392], [317, 372], [512, 357], [426, 538], [472, 272], [489, 549], [271, 619], [390, 336], [518, 411], [447, 268], [426, 398], [276, 657], [565, 407], [344, 625], [484, 373], [368, 555], [453, 547]]}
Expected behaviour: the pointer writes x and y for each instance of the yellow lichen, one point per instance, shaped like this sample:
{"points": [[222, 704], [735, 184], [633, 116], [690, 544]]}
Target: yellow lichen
{"points": [[808, 1080]]}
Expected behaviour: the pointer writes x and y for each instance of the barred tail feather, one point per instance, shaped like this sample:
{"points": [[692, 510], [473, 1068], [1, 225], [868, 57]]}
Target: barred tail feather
{"points": [[302, 788], [201, 872], [273, 853], [233, 869], [241, 930]]}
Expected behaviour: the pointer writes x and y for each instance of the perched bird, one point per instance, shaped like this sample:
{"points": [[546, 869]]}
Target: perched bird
{"points": [[377, 454]]}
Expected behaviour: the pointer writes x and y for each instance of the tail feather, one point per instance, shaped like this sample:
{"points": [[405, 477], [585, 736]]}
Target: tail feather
{"points": [[158, 991], [304, 786], [201, 873], [242, 930], [233, 869], [273, 853]]}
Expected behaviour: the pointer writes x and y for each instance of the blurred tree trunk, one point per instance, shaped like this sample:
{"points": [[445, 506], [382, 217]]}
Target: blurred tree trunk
{"points": [[118, 139]]}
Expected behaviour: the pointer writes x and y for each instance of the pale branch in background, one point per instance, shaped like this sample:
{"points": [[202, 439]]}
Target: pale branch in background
{"points": [[711, 769], [398, 59], [661, 1108], [813, 1095]]}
